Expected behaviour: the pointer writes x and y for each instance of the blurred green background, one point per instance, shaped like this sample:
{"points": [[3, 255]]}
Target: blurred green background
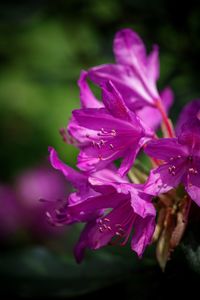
{"points": [[43, 47]]}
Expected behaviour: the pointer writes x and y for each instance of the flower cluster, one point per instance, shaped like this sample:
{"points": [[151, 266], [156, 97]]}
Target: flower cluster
{"points": [[115, 196]]}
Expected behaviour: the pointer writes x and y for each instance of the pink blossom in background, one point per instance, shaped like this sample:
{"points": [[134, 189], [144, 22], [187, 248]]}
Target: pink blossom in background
{"points": [[10, 212], [34, 185]]}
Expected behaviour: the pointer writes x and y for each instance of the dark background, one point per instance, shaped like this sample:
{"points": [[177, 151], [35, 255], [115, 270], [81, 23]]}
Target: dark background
{"points": [[43, 46]]}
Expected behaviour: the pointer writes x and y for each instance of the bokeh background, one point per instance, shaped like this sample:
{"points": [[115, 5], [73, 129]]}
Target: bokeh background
{"points": [[43, 46]]}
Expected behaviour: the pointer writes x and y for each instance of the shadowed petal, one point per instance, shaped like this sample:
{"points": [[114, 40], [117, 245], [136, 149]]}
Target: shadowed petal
{"points": [[192, 184], [165, 149], [189, 112], [143, 232]]}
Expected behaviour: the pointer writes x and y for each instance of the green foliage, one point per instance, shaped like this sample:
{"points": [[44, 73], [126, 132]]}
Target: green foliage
{"points": [[39, 272]]}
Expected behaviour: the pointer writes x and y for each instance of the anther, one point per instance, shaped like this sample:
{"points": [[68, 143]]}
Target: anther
{"points": [[101, 229], [106, 219], [113, 132]]}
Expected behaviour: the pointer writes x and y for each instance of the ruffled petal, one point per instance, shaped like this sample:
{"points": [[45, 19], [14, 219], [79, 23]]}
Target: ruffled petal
{"points": [[139, 203], [165, 177]]}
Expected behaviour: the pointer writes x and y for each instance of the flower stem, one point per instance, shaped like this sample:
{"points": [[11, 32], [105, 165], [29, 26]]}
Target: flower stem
{"points": [[166, 121]]}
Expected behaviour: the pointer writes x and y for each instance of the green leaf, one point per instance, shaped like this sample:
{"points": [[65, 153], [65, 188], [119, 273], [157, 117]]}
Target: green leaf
{"points": [[39, 272]]}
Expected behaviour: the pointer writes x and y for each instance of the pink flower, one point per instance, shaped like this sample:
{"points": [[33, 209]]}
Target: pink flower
{"points": [[129, 208], [135, 75], [182, 161], [108, 133]]}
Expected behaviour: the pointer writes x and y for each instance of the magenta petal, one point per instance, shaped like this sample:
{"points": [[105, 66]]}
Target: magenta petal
{"points": [[151, 115], [190, 137], [153, 65], [128, 159], [108, 137], [105, 180], [126, 82], [130, 51], [73, 176], [88, 100], [190, 112], [139, 203], [194, 193], [84, 209], [165, 149], [192, 185], [89, 238], [167, 97], [96, 119], [129, 48], [165, 177], [114, 102], [143, 232]]}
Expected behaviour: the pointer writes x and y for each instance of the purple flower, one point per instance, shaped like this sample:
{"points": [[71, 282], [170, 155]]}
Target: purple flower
{"points": [[150, 116], [80, 183], [189, 112], [129, 207], [182, 162], [135, 73], [108, 133]]}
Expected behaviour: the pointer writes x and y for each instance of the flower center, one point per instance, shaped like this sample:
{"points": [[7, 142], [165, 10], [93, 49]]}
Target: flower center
{"points": [[172, 168], [120, 230], [104, 141]]}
